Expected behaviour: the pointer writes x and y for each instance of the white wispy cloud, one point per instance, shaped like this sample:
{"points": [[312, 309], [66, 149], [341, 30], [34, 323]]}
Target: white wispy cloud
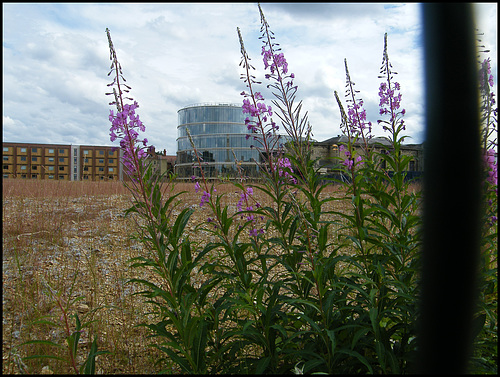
{"points": [[56, 60]]}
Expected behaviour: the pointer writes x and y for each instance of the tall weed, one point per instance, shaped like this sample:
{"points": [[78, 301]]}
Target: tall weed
{"points": [[287, 284]]}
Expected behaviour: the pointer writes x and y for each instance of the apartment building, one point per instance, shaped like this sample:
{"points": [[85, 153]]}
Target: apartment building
{"points": [[97, 163], [61, 162], [328, 153], [71, 162]]}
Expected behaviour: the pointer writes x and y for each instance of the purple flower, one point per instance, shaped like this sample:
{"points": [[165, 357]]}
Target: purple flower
{"points": [[492, 167], [356, 124], [485, 76], [196, 187], [244, 196], [390, 98], [204, 198], [348, 163], [124, 125], [284, 167]]}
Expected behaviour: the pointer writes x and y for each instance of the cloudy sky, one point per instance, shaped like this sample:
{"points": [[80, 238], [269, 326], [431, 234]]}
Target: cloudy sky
{"points": [[56, 61]]}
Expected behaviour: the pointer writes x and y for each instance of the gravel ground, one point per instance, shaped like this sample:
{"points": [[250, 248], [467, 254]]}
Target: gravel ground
{"points": [[49, 241]]}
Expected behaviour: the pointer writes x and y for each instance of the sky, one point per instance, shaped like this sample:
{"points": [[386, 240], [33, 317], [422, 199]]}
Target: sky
{"points": [[56, 62]]}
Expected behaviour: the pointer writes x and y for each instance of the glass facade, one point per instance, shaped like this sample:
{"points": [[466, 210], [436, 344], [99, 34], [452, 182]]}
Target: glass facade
{"points": [[219, 135]]}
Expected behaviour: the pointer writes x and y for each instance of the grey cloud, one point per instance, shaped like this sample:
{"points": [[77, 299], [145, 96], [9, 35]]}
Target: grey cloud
{"points": [[324, 11]]}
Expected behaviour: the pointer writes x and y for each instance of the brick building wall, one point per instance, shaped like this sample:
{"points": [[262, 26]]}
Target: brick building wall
{"points": [[70, 162], [60, 162]]}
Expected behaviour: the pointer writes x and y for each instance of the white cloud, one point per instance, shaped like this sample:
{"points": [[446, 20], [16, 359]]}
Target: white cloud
{"points": [[56, 59]]}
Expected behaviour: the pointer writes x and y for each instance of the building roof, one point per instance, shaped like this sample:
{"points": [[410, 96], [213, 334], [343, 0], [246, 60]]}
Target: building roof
{"points": [[342, 139]]}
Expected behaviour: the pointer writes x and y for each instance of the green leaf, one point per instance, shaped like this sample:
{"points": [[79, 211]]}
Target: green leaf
{"points": [[43, 357], [293, 229], [331, 335], [45, 322], [355, 354], [181, 361], [379, 347], [47, 342], [89, 365], [477, 325], [360, 333], [262, 365], [199, 344]]}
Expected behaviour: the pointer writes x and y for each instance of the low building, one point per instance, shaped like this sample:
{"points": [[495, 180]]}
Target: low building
{"points": [[37, 161], [69, 162], [329, 154]]}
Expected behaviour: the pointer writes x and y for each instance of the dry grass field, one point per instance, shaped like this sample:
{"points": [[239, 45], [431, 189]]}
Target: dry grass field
{"points": [[72, 239], [56, 234]]}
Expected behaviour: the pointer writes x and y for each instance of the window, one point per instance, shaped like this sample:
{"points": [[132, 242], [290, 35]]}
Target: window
{"points": [[62, 151], [61, 177], [86, 177], [24, 158], [111, 153], [34, 167], [74, 170], [23, 175], [34, 150], [74, 177], [111, 161], [6, 176], [5, 158], [61, 159], [61, 168], [86, 168], [5, 149], [34, 159], [23, 167], [51, 177], [101, 169], [75, 151], [86, 151], [51, 168], [51, 151], [5, 167], [51, 159], [34, 176], [101, 153], [23, 150], [101, 161], [86, 160], [110, 170]]}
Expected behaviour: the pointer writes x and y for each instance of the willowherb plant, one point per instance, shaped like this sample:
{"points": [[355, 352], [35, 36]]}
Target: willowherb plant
{"points": [[284, 283], [64, 302], [486, 316], [125, 123]]}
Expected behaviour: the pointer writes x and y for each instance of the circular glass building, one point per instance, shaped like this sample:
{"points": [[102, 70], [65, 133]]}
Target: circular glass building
{"points": [[219, 134]]}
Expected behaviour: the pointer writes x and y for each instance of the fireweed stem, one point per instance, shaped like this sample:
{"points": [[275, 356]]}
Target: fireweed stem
{"points": [[351, 168], [68, 334], [358, 126], [294, 130], [252, 95], [138, 184], [131, 146]]}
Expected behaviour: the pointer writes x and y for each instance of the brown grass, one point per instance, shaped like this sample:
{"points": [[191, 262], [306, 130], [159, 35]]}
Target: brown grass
{"points": [[55, 232]]}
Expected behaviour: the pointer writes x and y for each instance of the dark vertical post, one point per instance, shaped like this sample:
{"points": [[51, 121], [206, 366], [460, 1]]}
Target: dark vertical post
{"points": [[452, 199]]}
